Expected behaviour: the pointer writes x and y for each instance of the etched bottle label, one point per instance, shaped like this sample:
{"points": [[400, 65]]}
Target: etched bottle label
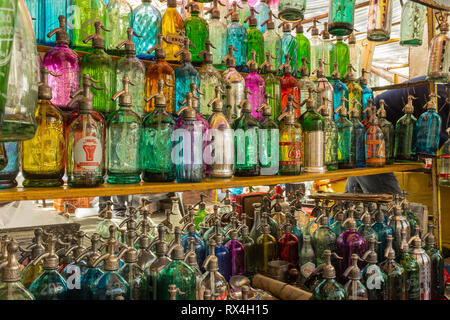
{"points": [[314, 148], [294, 154], [88, 154]]}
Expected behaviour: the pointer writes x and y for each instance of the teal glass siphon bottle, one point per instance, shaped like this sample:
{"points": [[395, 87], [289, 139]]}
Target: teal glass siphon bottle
{"points": [[238, 38], [10, 169], [118, 18], [346, 139], [367, 93], [48, 19], [428, 129], [134, 69], [146, 22], [289, 46], [84, 13], [123, 132], [99, 65], [339, 90], [262, 9], [272, 42], [255, 38], [341, 17], [196, 30], [360, 132], [329, 288]]}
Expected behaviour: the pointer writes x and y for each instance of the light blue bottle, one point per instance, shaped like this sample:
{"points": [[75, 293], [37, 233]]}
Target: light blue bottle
{"points": [[50, 285], [429, 128], [10, 164], [383, 230], [188, 164], [36, 14], [146, 22], [237, 37], [262, 14], [52, 10], [367, 93], [289, 46], [360, 132], [185, 74], [339, 90]]}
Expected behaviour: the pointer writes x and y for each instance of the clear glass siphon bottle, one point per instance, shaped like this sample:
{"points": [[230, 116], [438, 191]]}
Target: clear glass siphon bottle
{"points": [[388, 132], [272, 42], [412, 23], [118, 18], [331, 52], [217, 35], [234, 87], [354, 287], [339, 90], [372, 277]]}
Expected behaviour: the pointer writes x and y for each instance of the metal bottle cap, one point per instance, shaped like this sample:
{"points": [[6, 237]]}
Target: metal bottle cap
{"points": [[252, 64], [353, 272], [233, 12], [217, 103], [303, 70], [11, 271], [409, 107], [325, 34], [286, 26], [177, 253], [229, 59], [442, 21], [186, 55], [266, 66], [188, 112], [265, 107], [320, 71], [84, 96], [354, 112], [246, 106], [252, 22], [193, 7], [389, 252], [44, 91], [370, 256], [51, 259], [363, 80], [172, 3], [214, 10], [349, 76], [207, 55], [269, 22], [160, 98], [130, 47], [98, 42], [351, 38], [160, 53], [286, 67], [336, 75], [313, 28], [298, 27], [62, 37], [124, 95], [381, 110]]}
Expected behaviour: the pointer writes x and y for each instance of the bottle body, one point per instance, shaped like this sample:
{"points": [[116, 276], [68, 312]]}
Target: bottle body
{"points": [[316, 45], [375, 147], [14, 291], [360, 146], [313, 141], [43, 155], [303, 50], [183, 78], [85, 151], [172, 28], [101, 67], [218, 38], [405, 138], [341, 17], [189, 140], [63, 61], [50, 285], [255, 83], [136, 279], [101, 289], [9, 173], [246, 144], [222, 162], [266, 250], [146, 22], [438, 58], [135, 70], [84, 13], [209, 79], [331, 138], [323, 239], [118, 18], [263, 14], [291, 156], [437, 272], [388, 134], [237, 257], [237, 36], [255, 42], [380, 20], [288, 248], [396, 280], [355, 93], [329, 289], [342, 58], [346, 144], [197, 31], [339, 90], [291, 11], [375, 281], [428, 131], [332, 53], [273, 88], [272, 44], [412, 24], [348, 243], [444, 165], [289, 86], [411, 269], [123, 131], [366, 94], [289, 46], [160, 70], [234, 86]]}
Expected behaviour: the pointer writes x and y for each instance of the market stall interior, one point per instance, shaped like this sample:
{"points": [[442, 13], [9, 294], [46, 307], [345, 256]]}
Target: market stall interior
{"points": [[217, 150]]}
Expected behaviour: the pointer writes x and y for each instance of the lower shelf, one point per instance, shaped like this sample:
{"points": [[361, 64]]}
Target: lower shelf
{"points": [[21, 193]]}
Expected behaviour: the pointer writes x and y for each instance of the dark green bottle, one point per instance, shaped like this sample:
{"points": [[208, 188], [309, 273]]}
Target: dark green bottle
{"points": [[406, 133], [396, 275], [411, 268], [437, 265], [346, 139]]}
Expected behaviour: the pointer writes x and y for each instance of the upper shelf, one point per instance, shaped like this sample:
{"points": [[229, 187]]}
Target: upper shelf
{"points": [[21, 193]]}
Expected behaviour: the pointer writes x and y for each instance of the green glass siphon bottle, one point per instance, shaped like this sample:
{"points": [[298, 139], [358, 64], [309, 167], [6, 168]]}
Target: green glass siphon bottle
{"points": [[123, 132], [437, 265], [411, 268], [329, 288], [158, 264], [118, 18], [179, 273], [196, 30], [331, 138], [99, 65], [273, 86], [396, 276], [83, 14], [341, 17], [343, 57], [43, 155], [323, 238], [249, 249], [255, 38], [306, 259], [388, 132], [303, 45], [269, 152], [406, 133], [412, 23]]}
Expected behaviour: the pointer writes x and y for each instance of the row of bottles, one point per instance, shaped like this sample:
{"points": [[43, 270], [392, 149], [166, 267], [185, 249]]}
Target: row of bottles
{"points": [[201, 251]]}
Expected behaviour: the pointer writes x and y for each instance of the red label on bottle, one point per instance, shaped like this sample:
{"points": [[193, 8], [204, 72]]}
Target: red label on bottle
{"points": [[87, 153], [294, 154]]}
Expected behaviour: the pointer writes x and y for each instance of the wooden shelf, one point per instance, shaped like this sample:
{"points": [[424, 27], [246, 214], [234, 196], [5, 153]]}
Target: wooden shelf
{"points": [[21, 193]]}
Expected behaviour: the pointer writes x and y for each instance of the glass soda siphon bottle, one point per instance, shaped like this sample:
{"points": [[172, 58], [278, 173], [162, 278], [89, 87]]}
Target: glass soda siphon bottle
{"points": [[331, 52], [246, 141], [223, 255], [272, 42], [346, 154], [291, 157], [360, 132], [237, 37], [398, 223], [123, 132], [196, 30], [354, 288], [35, 12], [269, 138], [37, 248], [11, 288], [185, 74], [291, 10], [365, 229], [424, 262], [217, 35], [43, 155], [288, 246], [234, 87], [339, 90], [132, 67], [372, 277], [118, 18], [189, 135], [160, 70], [289, 85], [355, 57], [265, 249], [212, 279], [64, 61], [289, 46], [273, 86], [101, 288], [367, 93], [303, 45], [323, 87], [146, 22], [330, 139], [323, 238], [255, 84], [210, 78], [316, 46], [313, 137], [411, 267], [222, 134], [99, 65], [437, 265], [341, 17], [85, 150], [438, 58], [50, 285], [172, 29], [406, 133], [161, 261], [262, 10], [388, 132], [237, 253], [444, 162], [329, 288], [412, 24], [201, 212], [382, 230], [84, 13], [428, 129], [354, 90], [396, 276], [249, 250], [375, 142], [255, 38], [380, 20], [191, 236], [305, 84]]}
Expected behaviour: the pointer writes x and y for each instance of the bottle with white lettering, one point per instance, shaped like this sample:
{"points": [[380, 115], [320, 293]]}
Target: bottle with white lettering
{"points": [[372, 277], [212, 279], [85, 151], [354, 287]]}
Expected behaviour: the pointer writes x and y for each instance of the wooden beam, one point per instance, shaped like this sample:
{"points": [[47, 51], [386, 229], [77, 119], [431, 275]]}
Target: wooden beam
{"points": [[436, 4], [387, 75]]}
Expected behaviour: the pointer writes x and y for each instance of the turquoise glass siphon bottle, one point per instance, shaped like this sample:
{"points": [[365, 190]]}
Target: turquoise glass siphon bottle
{"points": [[289, 46], [346, 139], [238, 38], [341, 17], [339, 90], [146, 22], [99, 65], [367, 93], [428, 129], [329, 288], [262, 9], [123, 132]]}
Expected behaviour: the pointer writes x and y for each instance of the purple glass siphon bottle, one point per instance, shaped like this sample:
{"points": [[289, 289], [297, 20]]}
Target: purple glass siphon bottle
{"points": [[63, 61], [255, 83], [237, 254], [348, 243]]}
